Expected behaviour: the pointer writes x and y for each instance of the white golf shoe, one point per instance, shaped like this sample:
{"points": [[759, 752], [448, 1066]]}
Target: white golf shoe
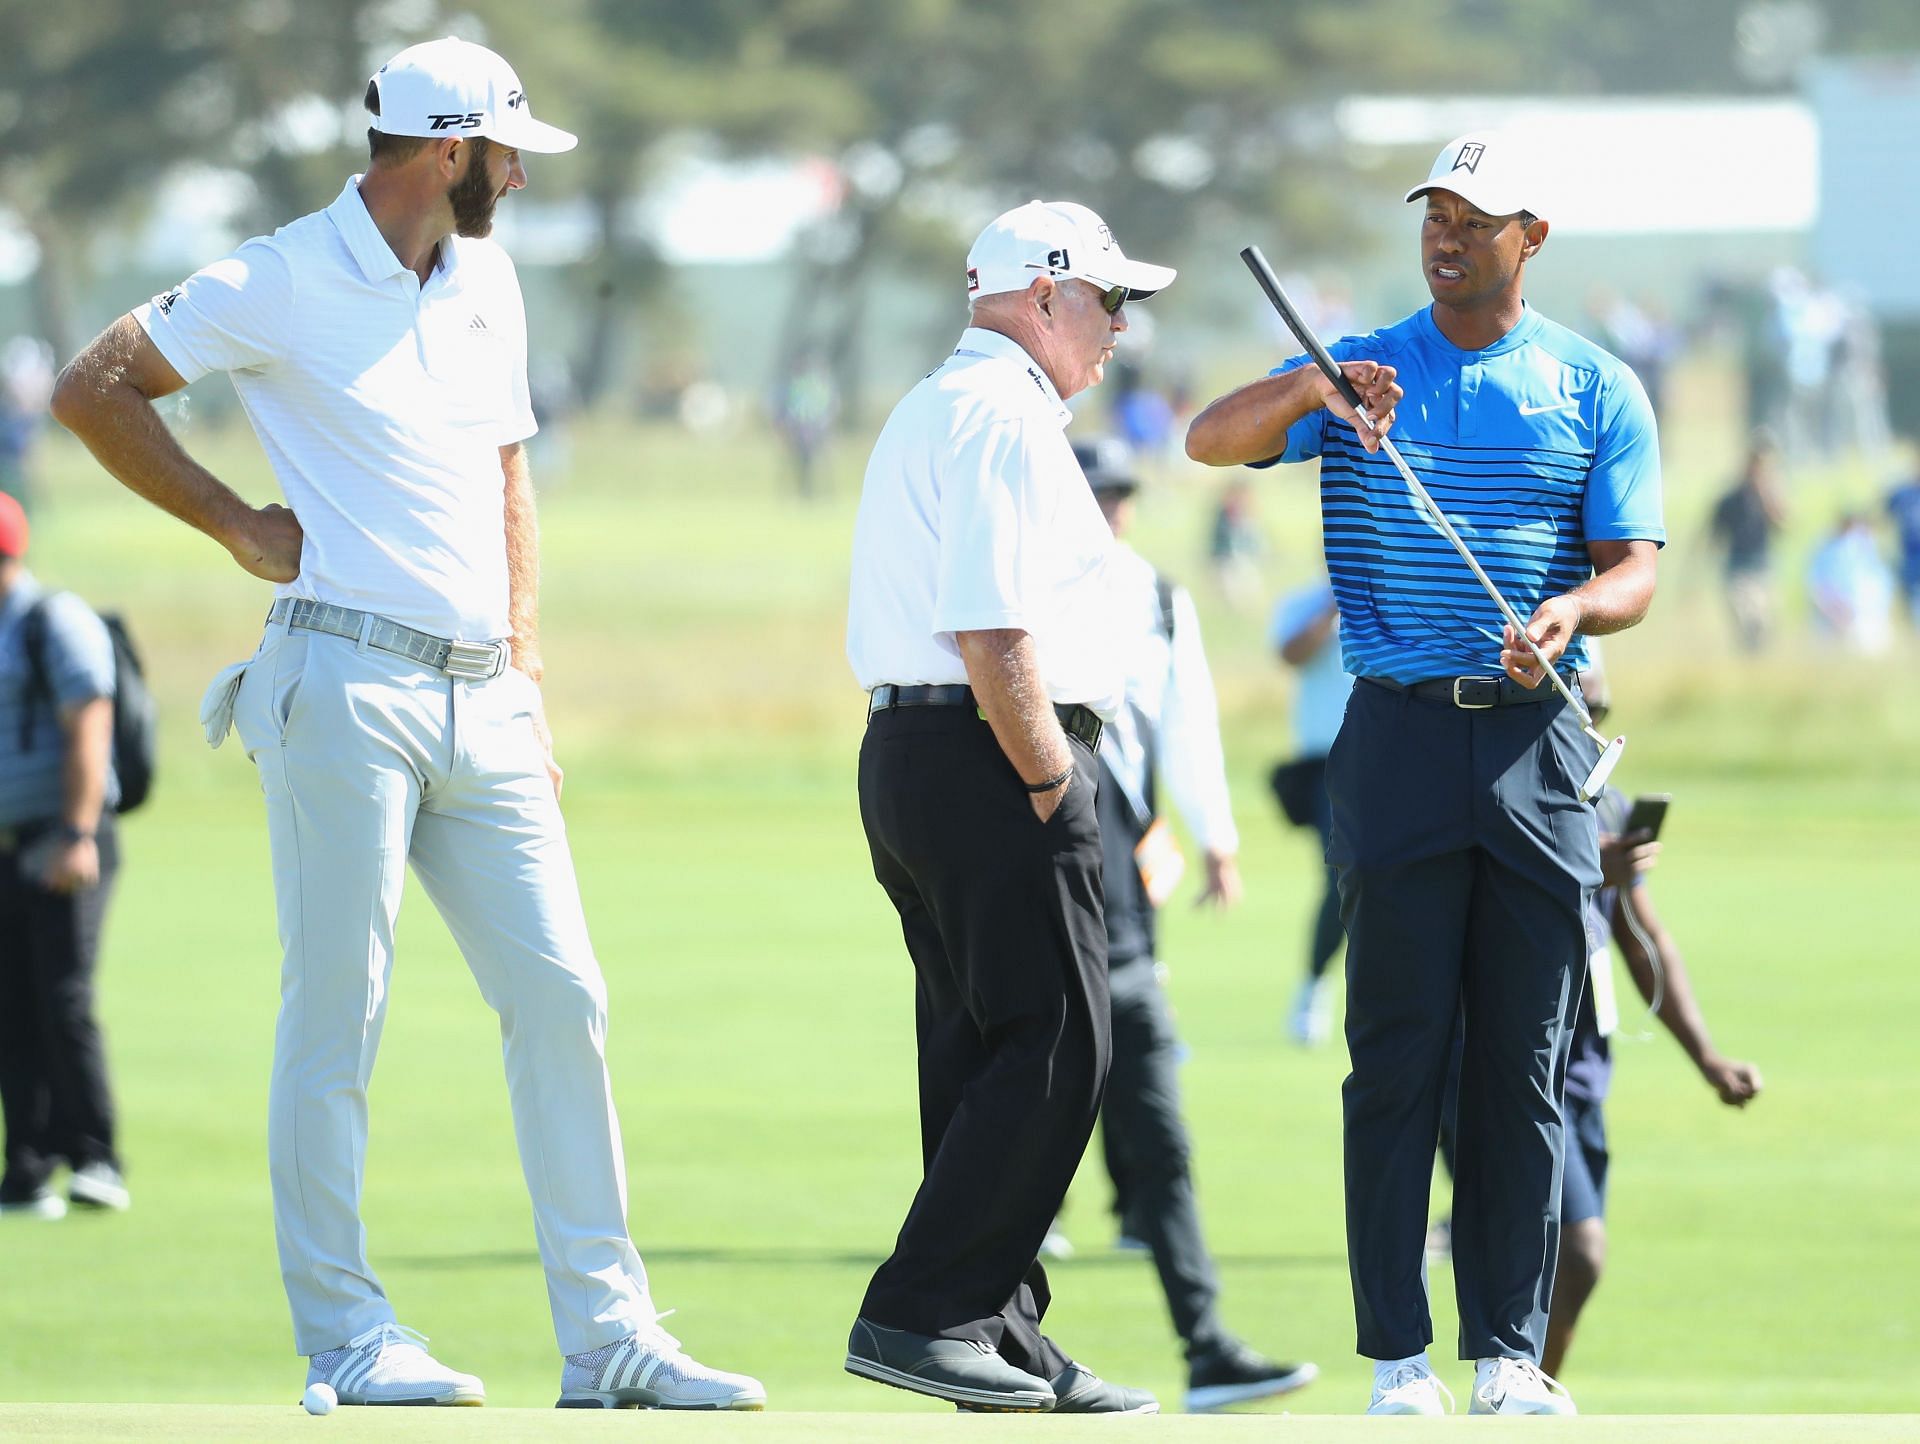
{"points": [[648, 1370], [1408, 1386], [389, 1364], [1517, 1386]]}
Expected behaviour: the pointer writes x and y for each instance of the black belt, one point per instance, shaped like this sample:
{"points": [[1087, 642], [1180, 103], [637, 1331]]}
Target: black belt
{"points": [[1079, 721], [1471, 694]]}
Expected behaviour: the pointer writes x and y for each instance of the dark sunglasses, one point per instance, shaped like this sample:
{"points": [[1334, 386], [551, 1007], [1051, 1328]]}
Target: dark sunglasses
{"points": [[1112, 298]]}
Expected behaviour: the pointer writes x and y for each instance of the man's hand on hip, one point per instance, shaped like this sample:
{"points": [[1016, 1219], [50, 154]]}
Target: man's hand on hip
{"points": [[269, 545]]}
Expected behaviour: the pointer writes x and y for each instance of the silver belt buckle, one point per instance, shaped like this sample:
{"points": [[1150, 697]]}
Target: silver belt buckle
{"points": [[1474, 706], [473, 661]]}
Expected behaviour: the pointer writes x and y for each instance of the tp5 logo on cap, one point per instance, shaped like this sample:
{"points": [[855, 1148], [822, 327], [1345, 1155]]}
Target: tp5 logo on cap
{"points": [[452, 85]]}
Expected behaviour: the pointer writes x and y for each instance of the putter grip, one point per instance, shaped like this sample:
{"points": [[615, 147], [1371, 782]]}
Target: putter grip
{"points": [[1296, 323]]}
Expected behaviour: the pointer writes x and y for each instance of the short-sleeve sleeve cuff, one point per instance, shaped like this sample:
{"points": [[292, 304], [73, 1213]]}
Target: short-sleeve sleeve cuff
{"points": [[152, 319]]}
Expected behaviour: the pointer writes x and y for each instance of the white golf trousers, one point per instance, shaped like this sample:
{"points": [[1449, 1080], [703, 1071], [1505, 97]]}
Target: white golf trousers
{"points": [[368, 762]]}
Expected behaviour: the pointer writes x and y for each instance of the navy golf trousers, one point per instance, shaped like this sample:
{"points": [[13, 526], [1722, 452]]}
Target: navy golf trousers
{"points": [[1465, 858]]}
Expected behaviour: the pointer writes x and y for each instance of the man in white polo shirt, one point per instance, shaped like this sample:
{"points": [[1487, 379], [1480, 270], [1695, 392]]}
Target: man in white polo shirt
{"points": [[393, 707], [980, 625]]}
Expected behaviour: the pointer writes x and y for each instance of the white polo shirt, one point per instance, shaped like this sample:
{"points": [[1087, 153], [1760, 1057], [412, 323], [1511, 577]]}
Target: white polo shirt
{"points": [[381, 404], [974, 516], [1172, 714]]}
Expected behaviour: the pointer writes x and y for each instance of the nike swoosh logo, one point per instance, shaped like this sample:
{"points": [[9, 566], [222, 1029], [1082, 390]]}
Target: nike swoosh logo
{"points": [[1526, 410]]}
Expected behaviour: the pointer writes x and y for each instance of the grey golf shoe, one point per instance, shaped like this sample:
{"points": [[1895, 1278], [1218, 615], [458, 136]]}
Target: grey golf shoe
{"points": [[961, 1371], [649, 1370], [1078, 1390]]}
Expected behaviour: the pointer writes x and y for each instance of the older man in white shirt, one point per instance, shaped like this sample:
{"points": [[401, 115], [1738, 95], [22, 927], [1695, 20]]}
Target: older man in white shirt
{"points": [[978, 623], [393, 707]]}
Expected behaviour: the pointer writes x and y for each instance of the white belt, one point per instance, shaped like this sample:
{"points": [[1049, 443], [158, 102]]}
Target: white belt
{"points": [[468, 661]]}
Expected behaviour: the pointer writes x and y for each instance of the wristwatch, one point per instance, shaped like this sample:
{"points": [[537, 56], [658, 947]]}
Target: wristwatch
{"points": [[70, 833]]}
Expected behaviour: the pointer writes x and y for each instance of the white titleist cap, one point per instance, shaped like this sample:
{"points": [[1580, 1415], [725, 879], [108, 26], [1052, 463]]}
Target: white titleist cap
{"points": [[455, 88], [1491, 170], [1058, 239]]}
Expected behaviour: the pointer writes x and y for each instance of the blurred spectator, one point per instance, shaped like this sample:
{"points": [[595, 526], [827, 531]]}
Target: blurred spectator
{"points": [[1745, 521], [1234, 546], [57, 863], [804, 412], [1852, 587], [1306, 634], [1857, 405], [1809, 321], [1903, 506], [1640, 335], [1167, 730], [26, 385], [1141, 414]]}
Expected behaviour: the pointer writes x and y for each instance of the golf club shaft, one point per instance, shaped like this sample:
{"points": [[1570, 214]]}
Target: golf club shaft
{"points": [[1296, 323]]}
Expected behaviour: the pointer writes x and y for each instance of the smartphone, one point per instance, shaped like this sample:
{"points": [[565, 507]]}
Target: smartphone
{"points": [[1647, 813]]}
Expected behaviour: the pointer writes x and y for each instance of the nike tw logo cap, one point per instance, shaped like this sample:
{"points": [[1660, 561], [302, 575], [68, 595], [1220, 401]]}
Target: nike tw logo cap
{"points": [[1061, 240], [458, 89], [1491, 170]]}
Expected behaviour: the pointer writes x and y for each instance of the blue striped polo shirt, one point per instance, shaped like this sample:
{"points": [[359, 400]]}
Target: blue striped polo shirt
{"points": [[1533, 447]]}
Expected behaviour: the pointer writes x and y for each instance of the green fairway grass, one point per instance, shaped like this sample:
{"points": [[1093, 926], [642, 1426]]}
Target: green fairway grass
{"points": [[260, 1424], [761, 1039]]}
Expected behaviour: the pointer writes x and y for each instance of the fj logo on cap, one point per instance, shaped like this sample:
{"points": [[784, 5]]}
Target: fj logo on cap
{"points": [[1057, 260], [1469, 157]]}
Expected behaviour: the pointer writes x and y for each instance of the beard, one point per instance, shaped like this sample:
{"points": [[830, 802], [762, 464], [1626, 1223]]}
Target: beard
{"points": [[473, 196]]}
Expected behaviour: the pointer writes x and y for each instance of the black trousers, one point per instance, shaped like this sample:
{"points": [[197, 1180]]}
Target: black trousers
{"points": [[1150, 1156], [1002, 918], [1465, 860], [1328, 932], [53, 1071]]}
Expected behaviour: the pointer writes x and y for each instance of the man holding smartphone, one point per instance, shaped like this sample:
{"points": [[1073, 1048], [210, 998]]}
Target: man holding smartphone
{"points": [[1621, 914]]}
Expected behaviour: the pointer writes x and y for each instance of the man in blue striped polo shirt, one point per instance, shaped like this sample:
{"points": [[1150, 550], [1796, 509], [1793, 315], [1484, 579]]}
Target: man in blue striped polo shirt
{"points": [[1464, 850]]}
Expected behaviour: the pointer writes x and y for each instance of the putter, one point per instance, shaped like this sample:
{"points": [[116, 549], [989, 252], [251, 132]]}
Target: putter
{"points": [[1609, 750]]}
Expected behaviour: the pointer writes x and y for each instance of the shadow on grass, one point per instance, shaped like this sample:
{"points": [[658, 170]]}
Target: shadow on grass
{"points": [[832, 1258]]}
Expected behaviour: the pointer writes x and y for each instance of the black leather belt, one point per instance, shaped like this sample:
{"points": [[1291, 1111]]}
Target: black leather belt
{"points": [[1472, 694], [1078, 721]]}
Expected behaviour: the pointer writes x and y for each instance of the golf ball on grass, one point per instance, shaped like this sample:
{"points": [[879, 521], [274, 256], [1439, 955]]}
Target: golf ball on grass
{"points": [[319, 1399]]}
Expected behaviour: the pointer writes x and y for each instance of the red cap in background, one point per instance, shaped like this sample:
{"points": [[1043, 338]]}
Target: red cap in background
{"points": [[13, 527]]}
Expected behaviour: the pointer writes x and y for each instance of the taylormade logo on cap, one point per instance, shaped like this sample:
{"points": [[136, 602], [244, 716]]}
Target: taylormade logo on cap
{"points": [[453, 87], [1059, 239], [1492, 171]]}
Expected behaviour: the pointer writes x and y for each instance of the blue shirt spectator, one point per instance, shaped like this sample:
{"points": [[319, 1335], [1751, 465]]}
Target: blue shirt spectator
{"points": [[1320, 705], [78, 656]]}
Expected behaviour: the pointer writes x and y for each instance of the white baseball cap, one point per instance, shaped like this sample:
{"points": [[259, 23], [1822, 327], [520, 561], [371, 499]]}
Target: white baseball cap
{"points": [[1058, 239], [455, 88], [1491, 170]]}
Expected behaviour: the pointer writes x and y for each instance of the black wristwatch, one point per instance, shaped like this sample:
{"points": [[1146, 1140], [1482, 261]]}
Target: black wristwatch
{"points": [[70, 833]]}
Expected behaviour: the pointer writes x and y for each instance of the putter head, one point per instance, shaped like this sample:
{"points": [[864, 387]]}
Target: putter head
{"points": [[1610, 754]]}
